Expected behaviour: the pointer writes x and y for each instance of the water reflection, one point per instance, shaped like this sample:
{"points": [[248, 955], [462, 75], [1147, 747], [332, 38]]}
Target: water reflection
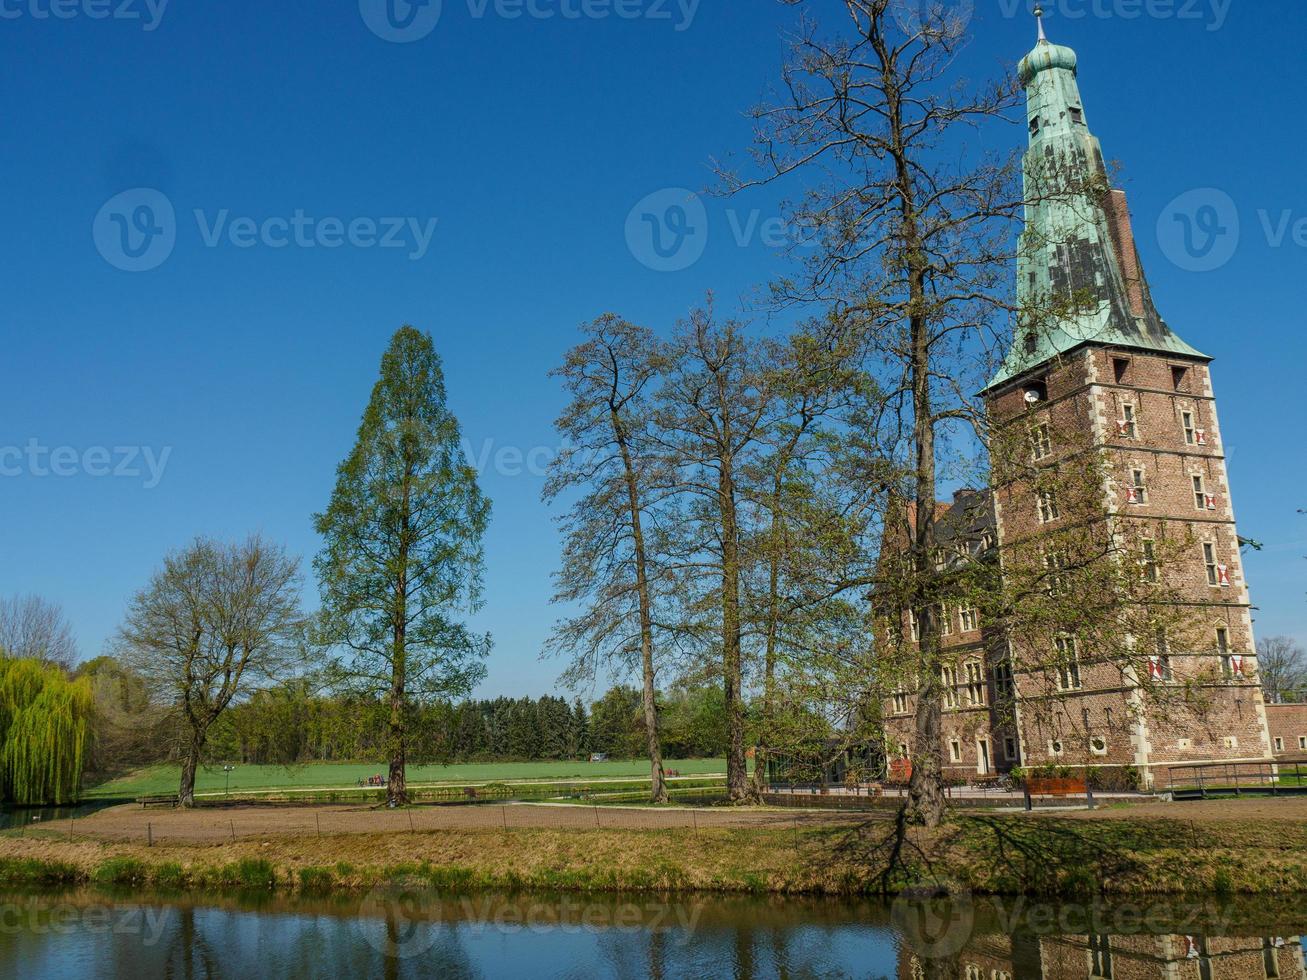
{"points": [[405, 931]]}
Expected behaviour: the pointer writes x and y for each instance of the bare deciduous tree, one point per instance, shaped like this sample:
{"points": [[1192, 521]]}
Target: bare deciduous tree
{"points": [[36, 628], [215, 621], [607, 564], [1282, 668]]}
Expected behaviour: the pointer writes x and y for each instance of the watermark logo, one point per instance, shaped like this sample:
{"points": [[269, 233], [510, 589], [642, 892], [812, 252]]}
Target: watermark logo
{"points": [[1199, 231], [36, 460], [405, 21], [148, 13], [407, 911], [935, 927], [401, 21], [1213, 13], [913, 16], [667, 231], [136, 230]]}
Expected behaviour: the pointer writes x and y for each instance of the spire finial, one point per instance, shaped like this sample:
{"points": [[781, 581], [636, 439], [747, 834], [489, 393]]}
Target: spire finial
{"points": [[1039, 17]]}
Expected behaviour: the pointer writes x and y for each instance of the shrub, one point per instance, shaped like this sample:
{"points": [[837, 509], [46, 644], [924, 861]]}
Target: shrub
{"points": [[316, 879], [252, 873], [169, 875], [120, 871]]}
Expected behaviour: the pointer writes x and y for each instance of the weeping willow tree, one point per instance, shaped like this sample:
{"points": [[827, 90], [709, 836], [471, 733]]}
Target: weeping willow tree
{"points": [[44, 724]]}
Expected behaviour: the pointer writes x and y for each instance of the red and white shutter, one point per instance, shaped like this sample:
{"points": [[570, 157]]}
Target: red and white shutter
{"points": [[1155, 668], [1236, 664], [1132, 495], [1200, 436], [1123, 428], [1211, 501], [1223, 574]]}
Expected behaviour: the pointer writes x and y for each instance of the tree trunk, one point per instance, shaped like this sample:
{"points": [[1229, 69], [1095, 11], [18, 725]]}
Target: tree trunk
{"points": [[658, 778], [190, 765], [737, 774], [926, 801]]}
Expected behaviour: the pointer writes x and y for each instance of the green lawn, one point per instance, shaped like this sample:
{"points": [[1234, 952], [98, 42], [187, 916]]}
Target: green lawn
{"points": [[163, 779]]}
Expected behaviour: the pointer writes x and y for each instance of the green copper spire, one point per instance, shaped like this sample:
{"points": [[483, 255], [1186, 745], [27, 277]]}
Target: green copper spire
{"points": [[1077, 253]]}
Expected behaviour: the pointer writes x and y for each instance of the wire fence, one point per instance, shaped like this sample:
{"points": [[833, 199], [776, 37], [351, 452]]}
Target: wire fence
{"points": [[215, 824]]}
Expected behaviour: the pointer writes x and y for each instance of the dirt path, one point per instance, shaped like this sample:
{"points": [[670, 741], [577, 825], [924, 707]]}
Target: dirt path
{"points": [[1287, 808]]}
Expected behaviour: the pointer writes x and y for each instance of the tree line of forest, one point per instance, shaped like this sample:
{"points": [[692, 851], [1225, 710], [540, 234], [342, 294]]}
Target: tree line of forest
{"points": [[294, 723]]}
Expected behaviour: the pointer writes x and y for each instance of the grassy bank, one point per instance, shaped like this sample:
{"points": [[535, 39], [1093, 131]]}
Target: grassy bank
{"points": [[1043, 856], [319, 776]]}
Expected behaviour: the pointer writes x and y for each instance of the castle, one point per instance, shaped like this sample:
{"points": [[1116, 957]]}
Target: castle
{"points": [[1142, 399]]}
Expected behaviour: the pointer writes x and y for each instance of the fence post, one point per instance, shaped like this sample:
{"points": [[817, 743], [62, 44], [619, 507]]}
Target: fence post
{"points": [[1089, 794], [232, 823], [317, 818], [596, 816], [1030, 804], [149, 834]]}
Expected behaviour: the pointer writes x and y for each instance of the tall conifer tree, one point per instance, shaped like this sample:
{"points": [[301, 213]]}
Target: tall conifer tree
{"points": [[402, 559]]}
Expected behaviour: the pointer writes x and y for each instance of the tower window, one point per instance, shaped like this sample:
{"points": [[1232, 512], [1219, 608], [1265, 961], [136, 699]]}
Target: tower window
{"points": [[1120, 365], [1200, 494], [1010, 748], [1149, 551], [1046, 503], [1077, 115], [1034, 126], [1129, 424], [1041, 442], [1190, 432], [1180, 378], [1222, 640], [1209, 562], [1137, 492]]}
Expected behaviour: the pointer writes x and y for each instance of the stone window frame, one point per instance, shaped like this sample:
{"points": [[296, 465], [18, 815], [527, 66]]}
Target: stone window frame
{"points": [[1068, 671], [1046, 508]]}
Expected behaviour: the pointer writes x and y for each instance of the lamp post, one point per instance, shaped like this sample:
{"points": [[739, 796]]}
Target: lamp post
{"points": [[228, 770]]}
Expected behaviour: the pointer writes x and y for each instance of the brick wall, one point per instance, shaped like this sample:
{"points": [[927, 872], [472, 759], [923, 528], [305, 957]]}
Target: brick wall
{"points": [[1288, 724]]}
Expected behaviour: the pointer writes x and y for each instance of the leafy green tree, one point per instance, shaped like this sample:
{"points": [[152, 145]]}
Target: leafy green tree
{"points": [[616, 726], [402, 558], [45, 720]]}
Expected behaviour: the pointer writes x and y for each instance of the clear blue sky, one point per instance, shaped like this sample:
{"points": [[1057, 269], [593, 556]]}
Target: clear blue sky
{"points": [[529, 140]]}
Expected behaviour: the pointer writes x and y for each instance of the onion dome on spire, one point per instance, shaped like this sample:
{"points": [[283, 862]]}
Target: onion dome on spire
{"points": [[1045, 55]]}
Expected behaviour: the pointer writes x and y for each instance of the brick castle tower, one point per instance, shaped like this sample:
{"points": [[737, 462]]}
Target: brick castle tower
{"points": [[1117, 376]]}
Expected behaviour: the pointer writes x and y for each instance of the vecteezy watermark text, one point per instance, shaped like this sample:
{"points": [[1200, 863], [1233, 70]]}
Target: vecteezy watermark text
{"points": [[406, 21], [66, 919], [1212, 13], [37, 460], [148, 12], [137, 230]]}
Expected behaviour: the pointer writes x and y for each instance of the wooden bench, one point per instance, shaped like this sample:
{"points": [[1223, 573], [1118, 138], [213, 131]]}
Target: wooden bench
{"points": [[1057, 786], [173, 800]]}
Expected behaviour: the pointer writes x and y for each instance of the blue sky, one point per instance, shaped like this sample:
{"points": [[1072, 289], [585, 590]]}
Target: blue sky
{"points": [[247, 356]]}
